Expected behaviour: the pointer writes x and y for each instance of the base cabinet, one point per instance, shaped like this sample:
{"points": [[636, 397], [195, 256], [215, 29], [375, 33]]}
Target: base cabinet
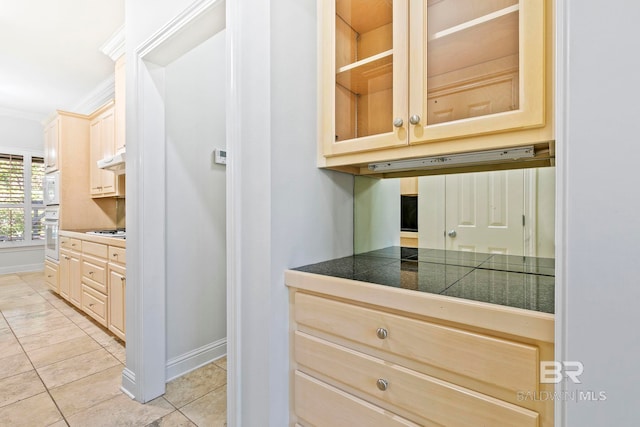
{"points": [[117, 295], [51, 276], [92, 276], [358, 361]]}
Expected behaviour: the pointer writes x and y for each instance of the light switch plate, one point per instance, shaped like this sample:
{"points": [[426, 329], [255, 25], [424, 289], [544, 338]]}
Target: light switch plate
{"points": [[220, 156]]}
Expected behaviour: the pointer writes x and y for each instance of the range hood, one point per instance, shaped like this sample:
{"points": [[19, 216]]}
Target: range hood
{"points": [[115, 164]]}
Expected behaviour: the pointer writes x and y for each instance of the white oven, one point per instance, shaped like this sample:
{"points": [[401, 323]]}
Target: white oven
{"points": [[51, 187], [51, 228]]}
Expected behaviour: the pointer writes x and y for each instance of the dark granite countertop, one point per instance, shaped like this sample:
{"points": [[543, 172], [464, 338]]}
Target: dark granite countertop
{"points": [[509, 280]]}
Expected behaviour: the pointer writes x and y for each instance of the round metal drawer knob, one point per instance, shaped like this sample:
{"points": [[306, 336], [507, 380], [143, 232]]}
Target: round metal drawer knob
{"points": [[382, 333], [382, 384], [415, 119], [398, 122]]}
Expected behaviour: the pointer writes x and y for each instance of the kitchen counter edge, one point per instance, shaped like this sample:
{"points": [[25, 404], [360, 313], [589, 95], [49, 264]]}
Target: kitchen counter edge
{"points": [[111, 241], [509, 320]]}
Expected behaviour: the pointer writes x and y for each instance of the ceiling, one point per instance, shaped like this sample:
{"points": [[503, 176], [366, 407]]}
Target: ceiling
{"points": [[50, 54]]}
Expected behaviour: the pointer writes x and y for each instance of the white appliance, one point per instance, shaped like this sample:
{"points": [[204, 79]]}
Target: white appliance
{"points": [[51, 189], [115, 164], [51, 228]]}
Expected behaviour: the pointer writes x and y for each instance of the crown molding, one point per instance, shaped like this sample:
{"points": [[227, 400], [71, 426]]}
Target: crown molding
{"points": [[114, 46], [102, 94]]}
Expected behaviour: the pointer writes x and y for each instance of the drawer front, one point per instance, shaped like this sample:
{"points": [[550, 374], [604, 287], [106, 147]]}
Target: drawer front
{"points": [[95, 270], [506, 364], [96, 249], [70, 243], [117, 255], [319, 404], [51, 276], [427, 397], [94, 304]]}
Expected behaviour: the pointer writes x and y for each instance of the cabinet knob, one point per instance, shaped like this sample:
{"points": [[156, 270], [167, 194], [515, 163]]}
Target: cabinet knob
{"points": [[415, 119], [398, 122], [382, 384], [382, 333], [90, 273], [122, 279]]}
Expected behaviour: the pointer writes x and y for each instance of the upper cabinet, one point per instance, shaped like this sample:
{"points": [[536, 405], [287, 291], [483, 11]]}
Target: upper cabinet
{"points": [[120, 82], [51, 146], [402, 79], [103, 183]]}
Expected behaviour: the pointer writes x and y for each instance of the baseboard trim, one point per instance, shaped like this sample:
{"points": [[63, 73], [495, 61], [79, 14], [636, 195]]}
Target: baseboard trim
{"points": [[26, 268], [192, 360], [128, 383]]}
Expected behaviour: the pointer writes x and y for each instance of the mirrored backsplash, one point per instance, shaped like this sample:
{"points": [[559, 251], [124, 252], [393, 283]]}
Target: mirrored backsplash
{"points": [[509, 212]]}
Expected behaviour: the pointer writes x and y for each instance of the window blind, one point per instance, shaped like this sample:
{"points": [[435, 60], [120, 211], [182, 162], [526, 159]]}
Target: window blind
{"points": [[21, 198]]}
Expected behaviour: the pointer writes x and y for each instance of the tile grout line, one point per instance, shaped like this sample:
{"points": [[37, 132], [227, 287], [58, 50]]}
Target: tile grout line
{"points": [[36, 372]]}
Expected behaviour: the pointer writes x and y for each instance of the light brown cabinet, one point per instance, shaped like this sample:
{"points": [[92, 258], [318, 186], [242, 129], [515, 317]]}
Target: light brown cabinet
{"points": [[67, 150], [117, 297], [51, 275], [70, 276], [103, 183], [120, 102], [415, 78], [92, 273], [397, 357]]}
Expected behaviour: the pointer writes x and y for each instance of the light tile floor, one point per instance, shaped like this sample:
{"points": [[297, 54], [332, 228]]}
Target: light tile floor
{"points": [[59, 368]]}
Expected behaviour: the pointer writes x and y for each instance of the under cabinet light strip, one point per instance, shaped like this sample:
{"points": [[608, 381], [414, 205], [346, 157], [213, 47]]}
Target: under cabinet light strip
{"points": [[455, 159]]}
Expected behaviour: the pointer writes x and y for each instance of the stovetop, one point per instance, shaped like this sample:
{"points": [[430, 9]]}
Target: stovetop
{"points": [[119, 233]]}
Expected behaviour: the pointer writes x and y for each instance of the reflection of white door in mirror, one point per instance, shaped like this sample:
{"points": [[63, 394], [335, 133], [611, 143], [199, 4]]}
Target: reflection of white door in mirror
{"points": [[485, 211], [490, 212]]}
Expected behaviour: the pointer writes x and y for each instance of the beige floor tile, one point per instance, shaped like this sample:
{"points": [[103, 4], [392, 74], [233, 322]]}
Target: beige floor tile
{"points": [[38, 285], [77, 367], [28, 299], [32, 308], [62, 351], [9, 345], [26, 319], [121, 411], [49, 295], [44, 339], [174, 419], [38, 410], [8, 279], [100, 334], [195, 384], [18, 387], [61, 423], [39, 326], [210, 410], [88, 391], [222, 362], [118, 351], [15, 364]]}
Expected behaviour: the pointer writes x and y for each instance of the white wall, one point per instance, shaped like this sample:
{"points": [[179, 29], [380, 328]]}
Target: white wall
{"points": [[376, 217], [288, 212], [599, 201], [21, 134], [196, 207]]}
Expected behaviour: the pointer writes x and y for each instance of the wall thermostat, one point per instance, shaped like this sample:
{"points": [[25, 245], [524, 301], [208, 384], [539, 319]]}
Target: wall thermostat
{"points": [[220, 156]]}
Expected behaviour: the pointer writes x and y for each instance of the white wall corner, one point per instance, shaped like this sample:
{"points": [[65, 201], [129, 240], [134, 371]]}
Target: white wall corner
{"points": [[114, 47], [102, 94], [185, 363]]}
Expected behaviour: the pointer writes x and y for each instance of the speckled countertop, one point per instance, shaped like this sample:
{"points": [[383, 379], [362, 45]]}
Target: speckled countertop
{"points": [[509, 280]]}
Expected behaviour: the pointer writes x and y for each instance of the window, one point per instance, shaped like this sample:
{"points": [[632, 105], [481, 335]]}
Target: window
{"points": [[21, 198]]}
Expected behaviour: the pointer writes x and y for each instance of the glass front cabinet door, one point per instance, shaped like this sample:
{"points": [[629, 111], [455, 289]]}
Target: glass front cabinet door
{"points": [[402, 73]]}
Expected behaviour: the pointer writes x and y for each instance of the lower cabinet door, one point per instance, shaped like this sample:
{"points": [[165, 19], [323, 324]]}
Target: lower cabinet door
{"points": [[319, 404]]}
